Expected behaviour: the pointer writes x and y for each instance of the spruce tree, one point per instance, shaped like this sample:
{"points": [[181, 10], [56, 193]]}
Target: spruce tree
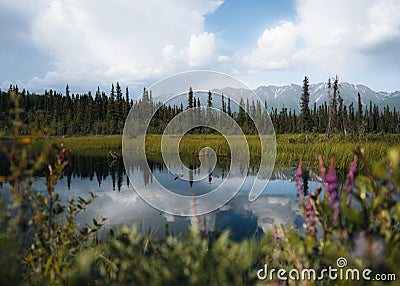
{"points": [[241, 114], [229, 107], [359, 113], [332, 109], [223, 103], [126, 103], [209, 99], [67, 90], [119, 114], [335, 98], [305, 116], [190, 98]]}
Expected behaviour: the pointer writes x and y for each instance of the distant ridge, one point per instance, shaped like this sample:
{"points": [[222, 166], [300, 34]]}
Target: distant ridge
{"points": [[289, 95]]}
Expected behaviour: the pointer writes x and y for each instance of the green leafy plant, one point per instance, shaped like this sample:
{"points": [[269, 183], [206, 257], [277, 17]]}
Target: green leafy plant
{"points": [[39, 232], [359, 221], [56, 238]]}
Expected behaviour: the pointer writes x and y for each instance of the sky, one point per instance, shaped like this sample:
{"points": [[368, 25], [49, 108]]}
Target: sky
{"points": [[48, 43]]}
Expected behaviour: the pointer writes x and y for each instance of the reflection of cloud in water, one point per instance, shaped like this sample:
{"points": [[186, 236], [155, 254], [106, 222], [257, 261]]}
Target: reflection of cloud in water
{"points": [[271, 210], [168, 217], [128, 207], [125, 198], [208, 220], [225, 207], [277, 205], [179, 201]]}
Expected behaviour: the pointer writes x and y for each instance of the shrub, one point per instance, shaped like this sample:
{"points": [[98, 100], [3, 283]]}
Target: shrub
{"points": [[359, 222], [42, 243]]}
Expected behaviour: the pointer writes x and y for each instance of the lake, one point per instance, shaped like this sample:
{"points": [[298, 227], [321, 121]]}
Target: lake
{"points": [[117, 201]]}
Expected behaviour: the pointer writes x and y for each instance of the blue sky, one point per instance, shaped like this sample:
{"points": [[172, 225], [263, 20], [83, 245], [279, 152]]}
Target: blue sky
{"points": [[47, 44], [247, 19]]}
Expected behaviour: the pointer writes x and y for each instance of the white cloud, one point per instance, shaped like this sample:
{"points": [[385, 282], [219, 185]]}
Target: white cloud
{"points": [[350, 25], [223, 59], [274, 48], [105, 41], [199, 52], [384, 24], [340, 36], [201, 49], [92, 43]]}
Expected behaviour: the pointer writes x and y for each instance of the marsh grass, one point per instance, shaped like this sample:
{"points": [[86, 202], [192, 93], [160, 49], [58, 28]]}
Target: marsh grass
{"points": [[289, 148], [88, 145]]}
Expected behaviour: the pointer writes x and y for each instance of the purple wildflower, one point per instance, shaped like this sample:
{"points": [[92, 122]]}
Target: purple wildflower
{"points": [[322, 169], [310, 216], [350, 179], [370, 249], [331, 179], [276, 234], [299, 174], [199, 219]]}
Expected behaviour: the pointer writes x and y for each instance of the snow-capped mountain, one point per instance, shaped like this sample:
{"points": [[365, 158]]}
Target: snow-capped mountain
{"points": [[390, 94], [289, 95]]}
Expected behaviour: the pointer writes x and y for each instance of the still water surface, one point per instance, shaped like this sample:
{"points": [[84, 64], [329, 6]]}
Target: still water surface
{"points": [[117, 201]]}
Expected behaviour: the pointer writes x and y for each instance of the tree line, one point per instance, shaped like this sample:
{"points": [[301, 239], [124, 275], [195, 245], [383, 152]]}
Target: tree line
{"points": [[85, 114], [68, 114], [336, 117]]}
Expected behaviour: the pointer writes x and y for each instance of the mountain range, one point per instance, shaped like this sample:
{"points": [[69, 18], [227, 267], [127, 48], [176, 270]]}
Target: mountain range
{"points": [[289, 95]]}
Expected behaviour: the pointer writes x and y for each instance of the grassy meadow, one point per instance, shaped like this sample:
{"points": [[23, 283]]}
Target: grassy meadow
{"points": [[289, 147]]}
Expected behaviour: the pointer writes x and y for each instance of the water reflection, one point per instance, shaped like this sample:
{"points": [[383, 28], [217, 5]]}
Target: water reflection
{"points": [[120, 204]]}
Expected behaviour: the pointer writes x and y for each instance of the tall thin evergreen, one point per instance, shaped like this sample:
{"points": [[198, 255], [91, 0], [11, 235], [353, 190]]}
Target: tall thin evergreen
{"points": [[190, 98], [209, 99], [305, 115]]}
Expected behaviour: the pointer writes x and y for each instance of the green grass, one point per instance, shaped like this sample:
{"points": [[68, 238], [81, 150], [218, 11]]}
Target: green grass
{"points": [[289, 148], [95, 145]]}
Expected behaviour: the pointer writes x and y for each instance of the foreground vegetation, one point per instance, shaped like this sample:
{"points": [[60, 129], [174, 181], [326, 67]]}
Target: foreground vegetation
{"points": [[42, 243]]}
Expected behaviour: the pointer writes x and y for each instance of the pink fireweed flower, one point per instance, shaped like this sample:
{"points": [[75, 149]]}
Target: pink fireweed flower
{"points": [[331, 179], [276, 234], [350, 179], [199, 219], [310, 216], [299, 174], [322, 169], [368, 248]]}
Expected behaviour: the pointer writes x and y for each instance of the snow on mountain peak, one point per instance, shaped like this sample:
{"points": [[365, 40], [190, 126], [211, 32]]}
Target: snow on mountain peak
{"points": [[289, 95]]}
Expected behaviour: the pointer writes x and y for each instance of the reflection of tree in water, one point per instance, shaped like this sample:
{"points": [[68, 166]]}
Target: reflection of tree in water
{"points": [[84, 166], [4, 164], [99, 168], [113, 179], [306, 178], [209, 175], [191, 167], [194, 169]]}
